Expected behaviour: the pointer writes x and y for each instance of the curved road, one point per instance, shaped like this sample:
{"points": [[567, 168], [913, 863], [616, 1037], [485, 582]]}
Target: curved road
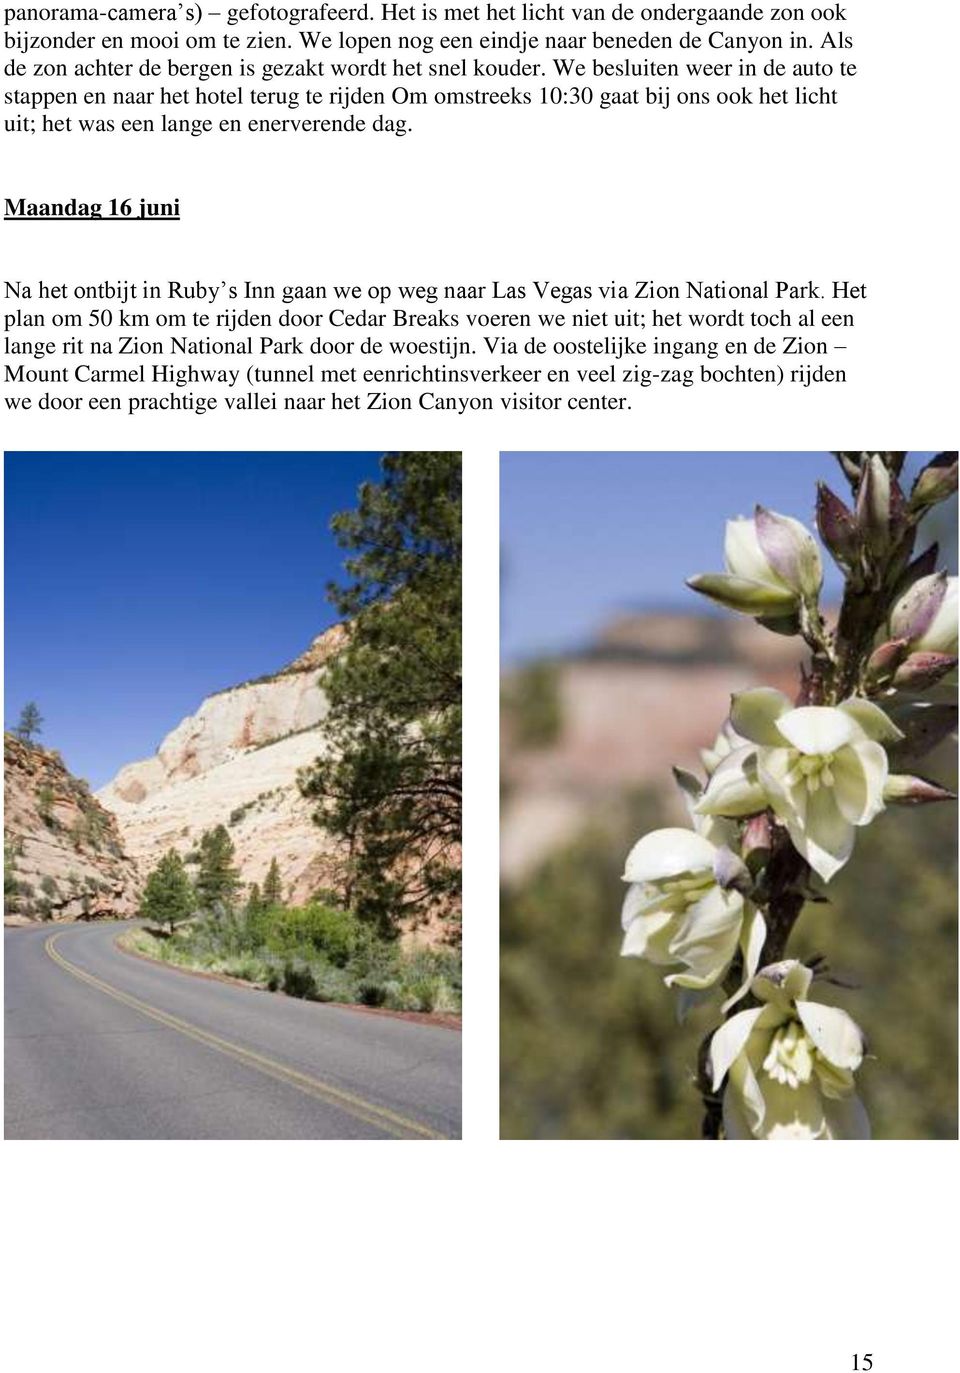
{"points": [[101, 1045]]}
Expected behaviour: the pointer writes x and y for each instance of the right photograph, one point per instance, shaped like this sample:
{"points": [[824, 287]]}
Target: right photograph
{"points": [[728, 795]]}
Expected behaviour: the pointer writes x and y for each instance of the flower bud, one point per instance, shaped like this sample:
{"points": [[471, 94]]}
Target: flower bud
{"points": [[837, 527], [936, 482], [923, 669], [914, 612], [884, 662], [940, 636], [926, 615], [873, 505], [850, 462], [688, 784], [790, 551], [756, 842], [853, 463], [903, 790], [746, 596]]}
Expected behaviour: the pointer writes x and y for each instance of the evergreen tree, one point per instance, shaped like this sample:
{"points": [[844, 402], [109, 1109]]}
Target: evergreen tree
{"points": [[217, 880], [273, 887], [168, 897], [391, 784], [255, 902], [30, 723]]}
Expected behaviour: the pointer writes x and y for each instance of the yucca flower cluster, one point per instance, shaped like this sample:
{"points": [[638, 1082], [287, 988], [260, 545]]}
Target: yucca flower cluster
{"points": [[788, 784]]}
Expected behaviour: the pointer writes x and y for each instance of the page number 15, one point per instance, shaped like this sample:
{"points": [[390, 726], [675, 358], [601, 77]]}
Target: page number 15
{"points": [[862, 1363]]}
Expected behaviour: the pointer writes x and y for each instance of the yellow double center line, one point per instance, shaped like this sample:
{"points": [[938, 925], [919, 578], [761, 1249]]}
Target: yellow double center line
{"points": [[388, 1121]]}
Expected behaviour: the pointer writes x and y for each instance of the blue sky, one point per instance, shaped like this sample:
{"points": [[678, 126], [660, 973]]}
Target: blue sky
{"points": [[585, 535], [137, 583]]}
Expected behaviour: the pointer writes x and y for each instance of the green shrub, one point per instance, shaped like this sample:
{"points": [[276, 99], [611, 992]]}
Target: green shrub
{"points": [[330, 932], [48, 886], [298, 980], [371, 992]]}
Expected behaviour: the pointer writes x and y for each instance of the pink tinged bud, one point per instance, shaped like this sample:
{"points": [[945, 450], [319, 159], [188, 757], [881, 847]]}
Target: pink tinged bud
{"points": [[741, 594], [837, 526], [917, 608], [884, 662], [898, 508], [790, 550], [756, 842], [936, 482], [903, 790], [873, 504], [923, 669]]}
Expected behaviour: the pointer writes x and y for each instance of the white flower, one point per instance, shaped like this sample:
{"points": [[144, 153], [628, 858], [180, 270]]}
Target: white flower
{"points": [[677, 915], [789, 1064], [724, 744], [775, 550], [940, 634], [822, 769], [773, 565]]}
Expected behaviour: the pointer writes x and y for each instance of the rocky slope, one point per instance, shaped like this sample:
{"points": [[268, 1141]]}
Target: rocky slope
{"points": [[235, 763], [64, 858]]}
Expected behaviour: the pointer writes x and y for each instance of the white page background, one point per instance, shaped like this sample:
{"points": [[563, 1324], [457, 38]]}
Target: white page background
{"points": [[562, 1256]]}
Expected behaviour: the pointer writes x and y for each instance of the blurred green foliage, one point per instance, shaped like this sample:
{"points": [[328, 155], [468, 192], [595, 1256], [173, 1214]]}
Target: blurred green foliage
{"points": [[531, 705], [590, 1047]]}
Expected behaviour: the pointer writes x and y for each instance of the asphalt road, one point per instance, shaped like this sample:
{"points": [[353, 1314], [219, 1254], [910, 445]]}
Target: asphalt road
{"points": [[101, 1045]]}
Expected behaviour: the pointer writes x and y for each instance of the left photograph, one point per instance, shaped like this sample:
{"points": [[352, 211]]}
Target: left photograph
{"points": [[232, 795]]}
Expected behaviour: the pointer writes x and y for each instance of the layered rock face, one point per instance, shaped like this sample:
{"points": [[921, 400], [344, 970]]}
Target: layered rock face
{"points": [[64, 858], [235, 763]]}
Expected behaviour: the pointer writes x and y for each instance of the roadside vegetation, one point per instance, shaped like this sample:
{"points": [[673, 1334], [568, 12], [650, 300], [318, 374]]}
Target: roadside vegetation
{"points": [[197, 918]]}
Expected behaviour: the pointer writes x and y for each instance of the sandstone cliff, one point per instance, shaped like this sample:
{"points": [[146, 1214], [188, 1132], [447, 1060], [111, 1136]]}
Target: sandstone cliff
{"points": [[64, 859], [234, 763]]}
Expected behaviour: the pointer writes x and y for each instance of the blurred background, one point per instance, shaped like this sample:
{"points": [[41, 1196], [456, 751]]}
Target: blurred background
{"points": [[612, 671]]}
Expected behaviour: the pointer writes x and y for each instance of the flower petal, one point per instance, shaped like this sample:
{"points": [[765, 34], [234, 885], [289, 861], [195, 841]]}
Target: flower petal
{"points": [[667, 853], [755, 713], [734, 788], [745, 1099], [706, 939], [817, 729], [788, 799], [793, 1112], [779, 984], [846, 1118], [729, 1041], [859, 777], [836, 1034], [743, 554], [874, 722], [753, 934], [641, 939], [824, 838], [642, 898]]}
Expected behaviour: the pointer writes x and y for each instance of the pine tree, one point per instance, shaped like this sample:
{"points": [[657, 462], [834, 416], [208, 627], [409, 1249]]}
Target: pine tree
{"points": [[29, 724], [391, 784], [273, 887], [168, 897], [217, 880], [255, 902]]}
